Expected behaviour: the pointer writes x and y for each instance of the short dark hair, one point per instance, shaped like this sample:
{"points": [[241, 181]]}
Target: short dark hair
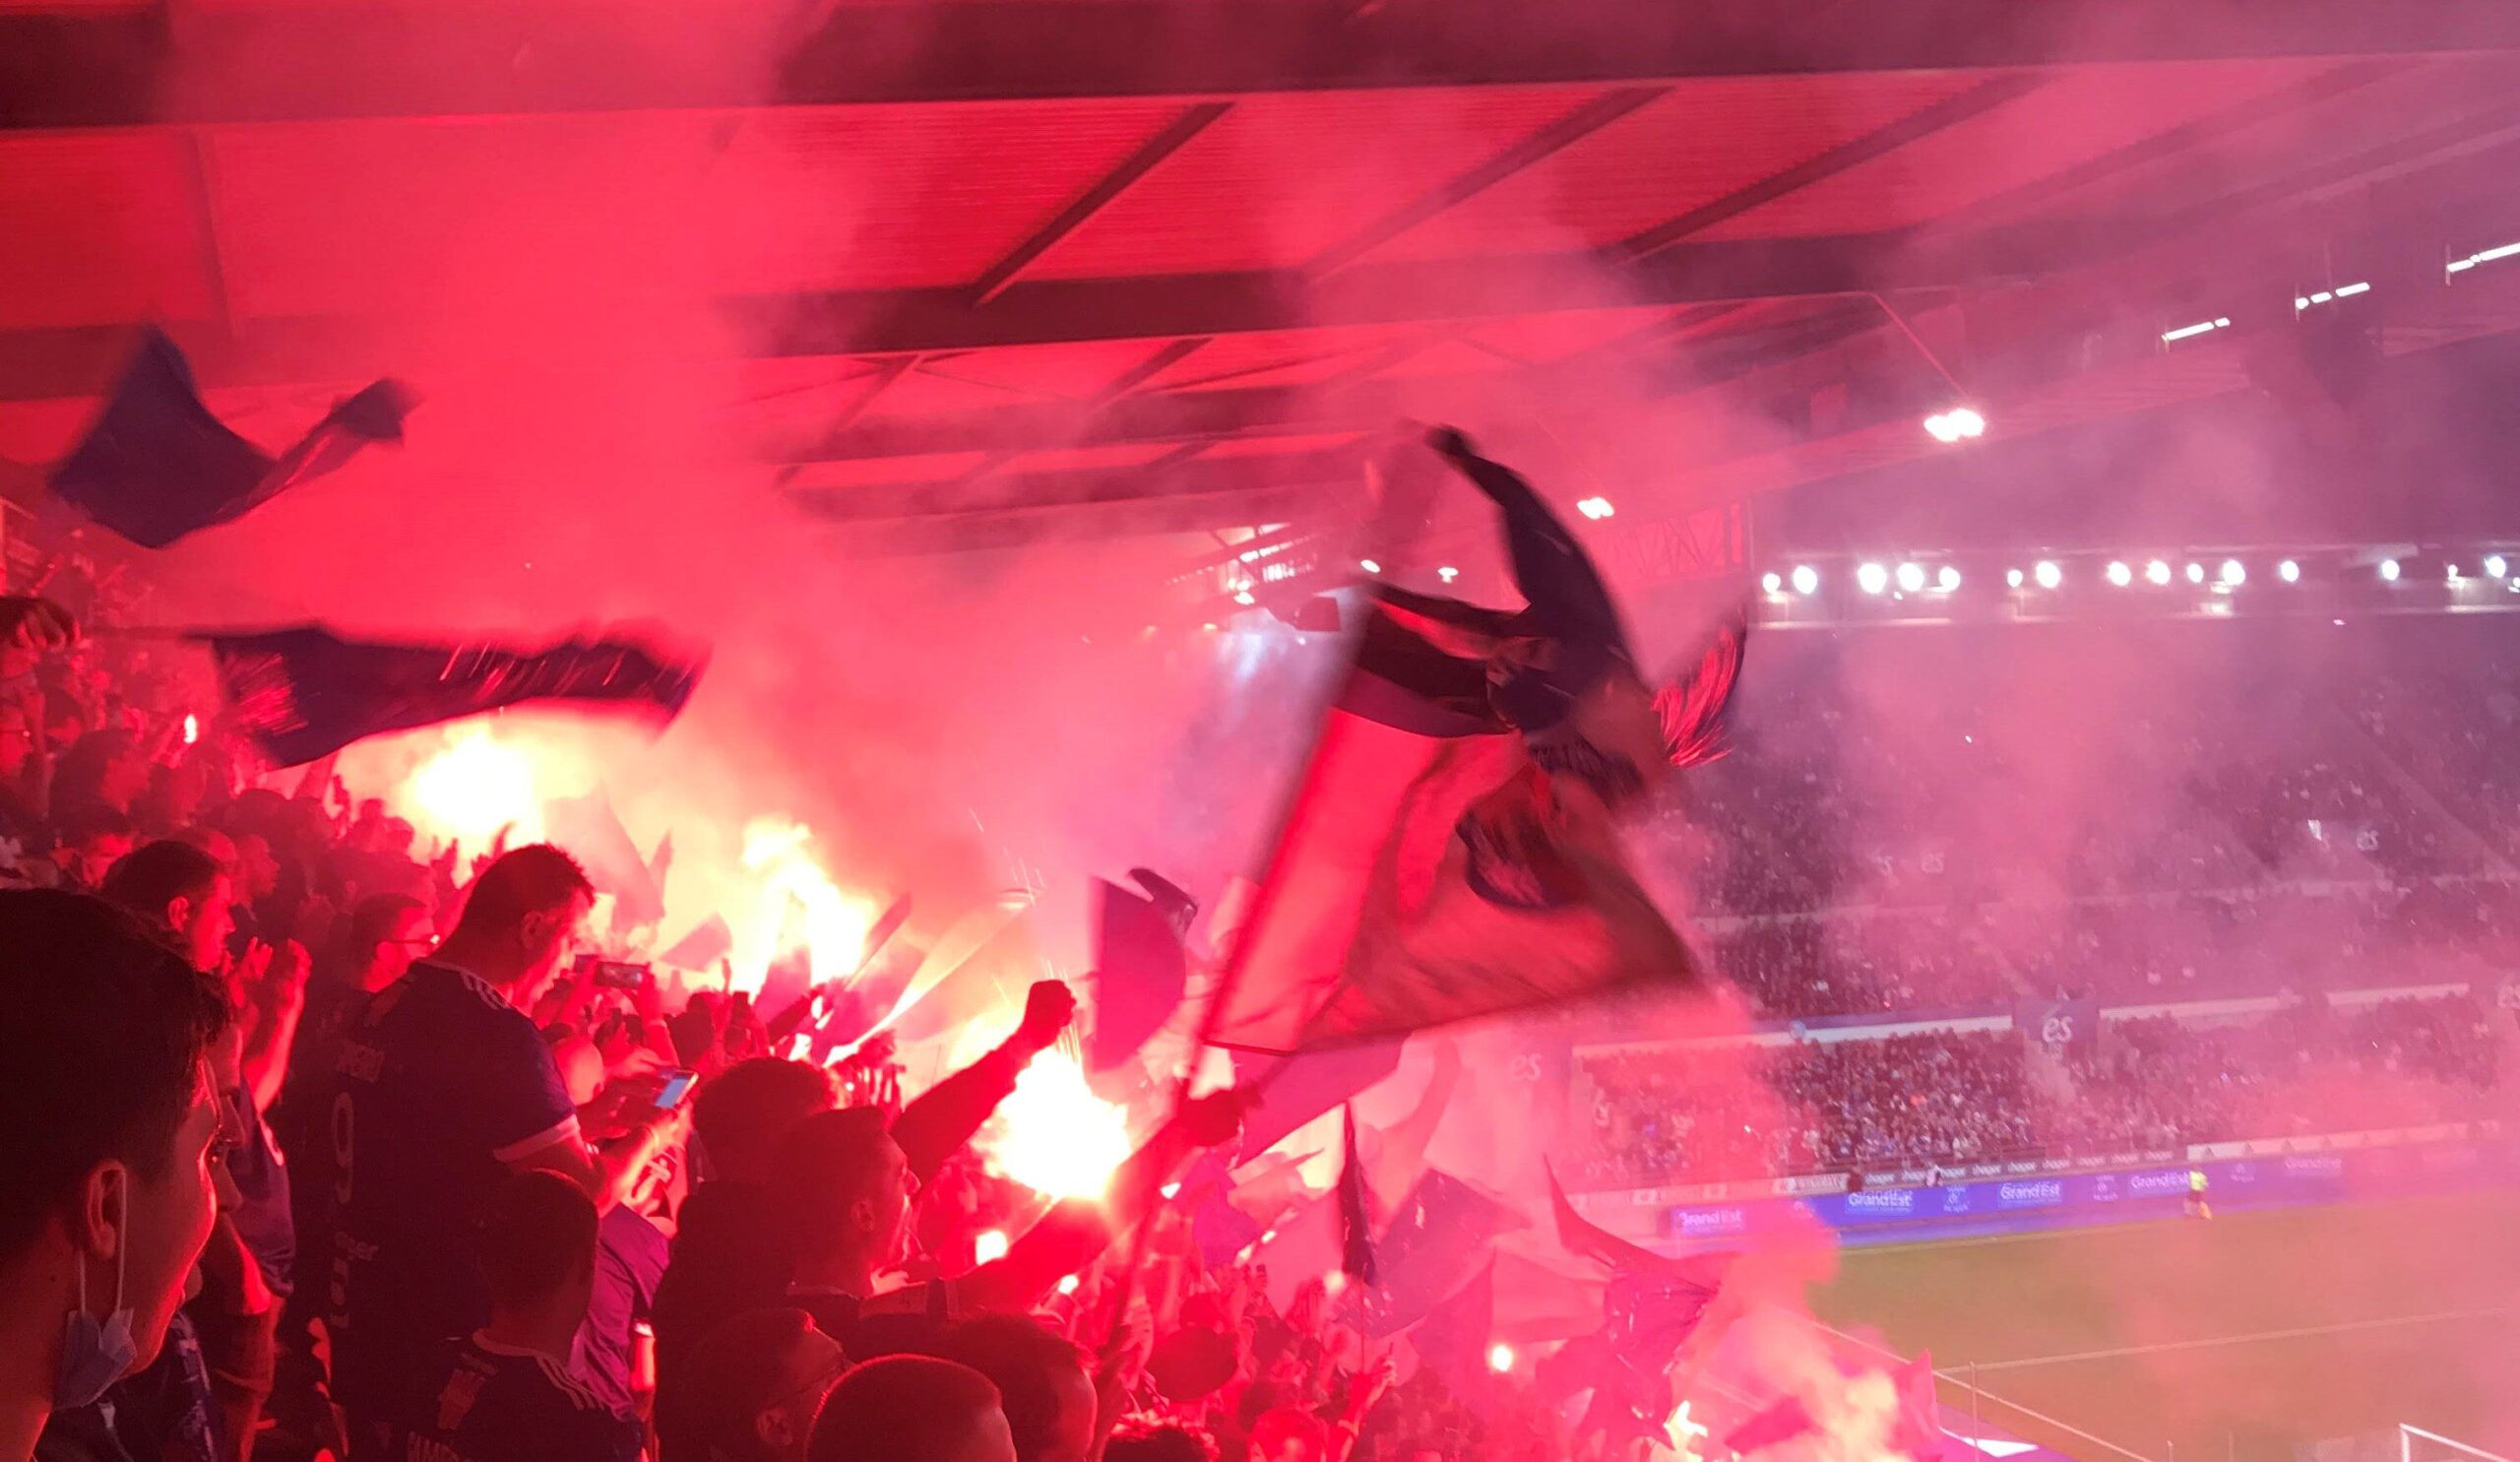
{"points": [[828, 1161], [148, 878], [1154, 1439], [1022, 1359], [744, 1111], [79, 823], [731, 1377], [535, 879], [102, 1046], [900, 1408], [536, 1234], [372, 920]]}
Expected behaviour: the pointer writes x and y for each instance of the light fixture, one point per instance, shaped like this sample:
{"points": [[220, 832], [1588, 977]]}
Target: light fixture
{"points": [[1448, 573], [2288, 571], [1960, 423], [1771, 581], [1595, 508], [1244, 596], [2119, 574], [1949, 578], [2483, 256], [2047, 574], [2389, 570], [1912, 577], [2235, 572], [2012, 577], [2494, 566], [1872, 578], [989, 1245], [2157, 572], [1500, 1358], [1807, 580], [2451, 571], [2201, 327], [2323, 297], [2195, 573], [1369, 566]]}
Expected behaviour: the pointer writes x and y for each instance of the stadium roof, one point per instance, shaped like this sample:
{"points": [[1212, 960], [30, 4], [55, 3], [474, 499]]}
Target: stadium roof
{"points": [[1085, 267]]}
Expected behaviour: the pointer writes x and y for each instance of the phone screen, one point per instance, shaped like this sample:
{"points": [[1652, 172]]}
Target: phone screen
{"points": [[619, 974], [677, 1086]]}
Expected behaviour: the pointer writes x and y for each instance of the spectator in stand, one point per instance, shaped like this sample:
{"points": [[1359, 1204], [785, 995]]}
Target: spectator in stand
{"points": [[1043, 1384], [445, 1086], [107, 1125], [912, 1409], [90, 839], [749, 1390], [505, 1393]]}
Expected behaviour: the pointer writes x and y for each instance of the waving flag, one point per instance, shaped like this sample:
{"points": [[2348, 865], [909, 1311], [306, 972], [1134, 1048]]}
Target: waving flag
{"points": [[158, 466], [305, 693], [1139, 968], [1452, 850]]}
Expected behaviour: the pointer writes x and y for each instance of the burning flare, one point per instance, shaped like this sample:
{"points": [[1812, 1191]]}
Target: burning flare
{"points": [[834, 926], [1054, 1135]]}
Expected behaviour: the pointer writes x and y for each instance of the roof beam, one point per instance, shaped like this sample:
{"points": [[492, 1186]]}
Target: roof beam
{"points": [[1204, 478], [1194, 121], [98, 66]]}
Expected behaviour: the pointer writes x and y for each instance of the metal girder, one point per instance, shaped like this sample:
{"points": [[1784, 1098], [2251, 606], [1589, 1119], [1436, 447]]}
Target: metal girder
{"points": [[1228, 477], [96, 66]]}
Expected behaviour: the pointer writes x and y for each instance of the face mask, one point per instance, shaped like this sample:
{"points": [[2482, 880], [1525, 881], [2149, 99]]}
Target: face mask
{"points": [[96, 1354]]}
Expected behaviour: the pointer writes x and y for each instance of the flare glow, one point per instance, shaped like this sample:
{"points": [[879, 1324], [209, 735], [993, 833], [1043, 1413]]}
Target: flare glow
{"points": [[1054, 1135], [835, 924]]}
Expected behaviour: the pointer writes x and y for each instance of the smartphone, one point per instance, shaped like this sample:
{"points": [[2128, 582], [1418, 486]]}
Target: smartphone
{"points": [[619, 974], [677, 1086]]}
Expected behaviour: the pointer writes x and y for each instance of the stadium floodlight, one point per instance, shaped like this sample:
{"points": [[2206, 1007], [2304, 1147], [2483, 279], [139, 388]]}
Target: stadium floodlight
{"points": [[1595, 508], [1500, 1358], [2288, 571], [1960, 423], [2451, 571], [1244, 596], [1369, 566], [1807, 580], [1872, 578], [2389, 570], [2119, 574], [2196, 573], [1448, 573], [2047, 574], [2157, 572], [1771, 581], [1949, 578], [2494, 566], [2235, 573], [1912, 577], [2483, 256], [2012, 578]]}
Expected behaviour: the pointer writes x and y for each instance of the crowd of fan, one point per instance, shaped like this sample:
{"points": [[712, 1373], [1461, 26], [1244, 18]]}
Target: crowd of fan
{"points": [[1951, 1098], [1929, 846], [319, 1145]]}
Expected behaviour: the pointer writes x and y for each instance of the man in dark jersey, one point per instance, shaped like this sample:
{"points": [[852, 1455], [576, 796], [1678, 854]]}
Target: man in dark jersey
{"points": [[442, 1089], [505, 1392]]}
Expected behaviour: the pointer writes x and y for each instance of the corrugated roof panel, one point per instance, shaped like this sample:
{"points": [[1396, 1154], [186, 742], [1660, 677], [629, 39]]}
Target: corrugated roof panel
{"points": [[1541, 338], [874, 472], [2078, 114], [1284, 177], [1089, 459], [1281, 357], [1072, 372], [449, 215], [1707, 139], [900, 196], [99, 228]]}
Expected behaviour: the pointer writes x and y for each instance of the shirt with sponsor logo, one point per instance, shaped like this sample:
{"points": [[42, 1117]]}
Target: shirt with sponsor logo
{"points": [[489, 1402], [440, 1084]]}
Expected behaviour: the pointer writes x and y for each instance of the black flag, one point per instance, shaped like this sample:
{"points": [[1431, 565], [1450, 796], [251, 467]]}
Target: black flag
{"points": [[302, 693], [158, 466]]}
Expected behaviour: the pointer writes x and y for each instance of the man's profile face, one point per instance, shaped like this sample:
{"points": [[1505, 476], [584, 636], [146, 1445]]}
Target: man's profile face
{"points": [[408, 939], [167, 1219], [208, 923], [550, 937]]}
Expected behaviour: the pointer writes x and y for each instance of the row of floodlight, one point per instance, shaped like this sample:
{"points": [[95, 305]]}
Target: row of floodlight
{"points": [[1912, 577]]}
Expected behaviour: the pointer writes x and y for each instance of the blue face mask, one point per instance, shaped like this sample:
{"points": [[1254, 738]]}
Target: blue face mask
{"points": [[96, 1354]]}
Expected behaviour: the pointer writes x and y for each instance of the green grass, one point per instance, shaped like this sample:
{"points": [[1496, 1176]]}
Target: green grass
{"points": [[2193, 1294]]}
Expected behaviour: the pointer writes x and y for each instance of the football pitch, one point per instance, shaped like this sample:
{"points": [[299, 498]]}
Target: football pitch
{"points": [[2236, 1338]]}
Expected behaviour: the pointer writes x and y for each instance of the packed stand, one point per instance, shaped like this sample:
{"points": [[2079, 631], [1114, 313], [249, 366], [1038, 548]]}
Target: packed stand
{"points": [[1660, 1115]]}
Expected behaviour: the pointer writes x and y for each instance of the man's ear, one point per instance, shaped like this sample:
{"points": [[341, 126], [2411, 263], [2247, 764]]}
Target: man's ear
{"points": [[179, 911], [101, 1223]]}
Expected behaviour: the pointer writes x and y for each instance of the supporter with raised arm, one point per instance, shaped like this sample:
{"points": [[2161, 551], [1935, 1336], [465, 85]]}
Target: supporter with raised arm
{"points": [[505, 1393], [107, 1125], [444, 1087]]}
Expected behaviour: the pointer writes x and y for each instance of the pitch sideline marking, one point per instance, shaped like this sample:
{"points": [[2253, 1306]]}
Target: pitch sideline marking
{"points": [[2163, 1347], [1956, 1378]]}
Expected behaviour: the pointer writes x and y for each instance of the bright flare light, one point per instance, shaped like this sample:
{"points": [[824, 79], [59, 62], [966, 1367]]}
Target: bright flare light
{"points": [[1960, 423], [2119, 574], [1054, 1136], [1067, 1283], [2288, 571], [2157, 572], [476, 786], [1448, 573], [1771, 582], [1807, 580], [2047, 574], [1949, 578], [1369, 566], [1872, 578], [1500, 1358], [2389, 569], [836, 926], [2235, 573], [1680, 1433], [191, 729], [1595, 508], [988, 1248]]}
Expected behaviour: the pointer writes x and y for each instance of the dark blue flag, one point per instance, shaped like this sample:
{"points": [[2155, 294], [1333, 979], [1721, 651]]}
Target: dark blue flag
{"points": [[157, 465], [1356, 1221], [1436, 1237], [303, 693], [1139, 968]]}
